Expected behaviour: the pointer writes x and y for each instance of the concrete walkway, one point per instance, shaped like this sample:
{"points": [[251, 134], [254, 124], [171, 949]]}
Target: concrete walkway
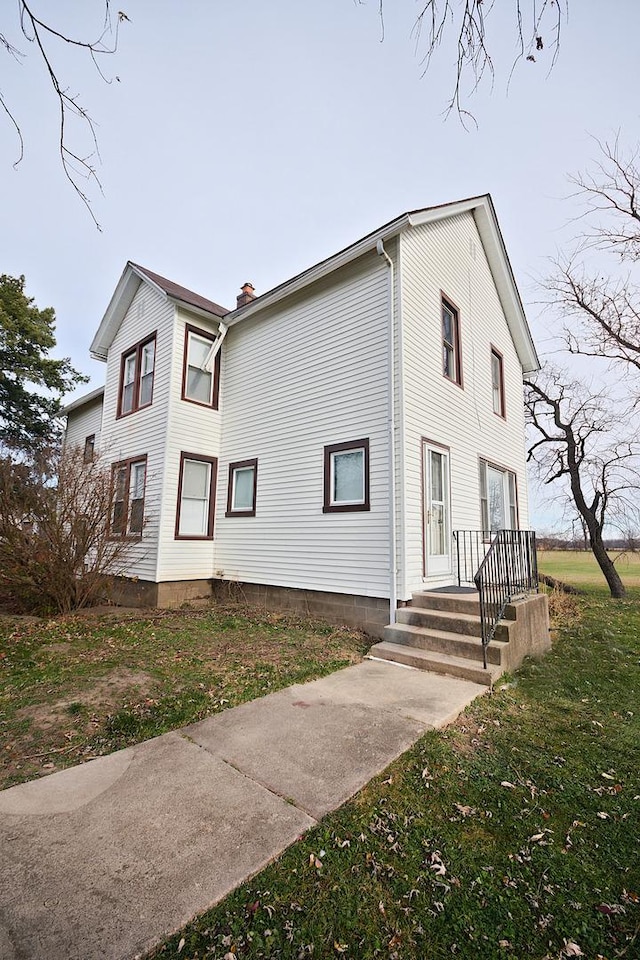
{"points": [[107, 859]]}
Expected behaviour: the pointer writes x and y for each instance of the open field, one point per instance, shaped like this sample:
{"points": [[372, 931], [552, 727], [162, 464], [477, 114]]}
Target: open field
{"points": [[72, 688], [581, 570], [512, 834]]}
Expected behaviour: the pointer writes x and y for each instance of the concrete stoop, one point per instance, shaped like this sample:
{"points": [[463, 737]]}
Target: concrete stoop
{"points": [[441, 632]]}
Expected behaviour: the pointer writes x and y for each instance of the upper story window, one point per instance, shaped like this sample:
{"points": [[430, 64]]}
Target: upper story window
{"points": [[241, 493], [89, 448], [136, 376], [346, 476], [497, 382], [201, 372], [127, 505], [451, 363]]}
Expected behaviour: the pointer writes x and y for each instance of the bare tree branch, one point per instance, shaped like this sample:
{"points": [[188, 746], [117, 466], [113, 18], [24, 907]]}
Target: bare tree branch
{"points": [[78, 167]]}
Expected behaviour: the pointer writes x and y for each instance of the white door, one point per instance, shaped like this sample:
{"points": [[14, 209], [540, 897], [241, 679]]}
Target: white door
{"points": [[437, 512]]}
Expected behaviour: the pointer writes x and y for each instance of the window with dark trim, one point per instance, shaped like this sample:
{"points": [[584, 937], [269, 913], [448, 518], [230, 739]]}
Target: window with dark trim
{"points": [[196, 497], [137, 367], [200, 371], [497, 382], [498, 497], [241, 492], [89, 448], [127, 503], [451, 362], [346, 477]]}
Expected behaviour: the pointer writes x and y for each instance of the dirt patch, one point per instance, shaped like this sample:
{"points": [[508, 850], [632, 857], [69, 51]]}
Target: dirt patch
{"points": [[106, 692]]}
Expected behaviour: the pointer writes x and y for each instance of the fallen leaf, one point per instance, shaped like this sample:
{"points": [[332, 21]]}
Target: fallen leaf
{"points": [[508, 785], [603, 815], [181, 945], [572, 949], [340, 947]]}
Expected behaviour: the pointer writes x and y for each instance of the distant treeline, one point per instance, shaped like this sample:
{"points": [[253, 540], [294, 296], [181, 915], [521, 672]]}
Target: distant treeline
{"points": [[630, 544]]}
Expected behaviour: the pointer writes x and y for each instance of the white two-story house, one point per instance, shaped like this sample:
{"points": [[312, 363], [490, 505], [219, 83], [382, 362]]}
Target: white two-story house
{"points": [[321, 443]]}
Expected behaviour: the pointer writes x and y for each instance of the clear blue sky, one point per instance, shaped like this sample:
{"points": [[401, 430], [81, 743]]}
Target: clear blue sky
{"points": [[246, 141]]}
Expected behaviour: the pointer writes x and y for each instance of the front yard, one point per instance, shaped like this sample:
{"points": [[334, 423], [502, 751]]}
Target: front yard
{"points": [[72, 688], [514, 833]]}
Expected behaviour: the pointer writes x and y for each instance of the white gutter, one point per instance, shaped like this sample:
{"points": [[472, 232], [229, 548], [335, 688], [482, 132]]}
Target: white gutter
{"points": [[393, 575]]}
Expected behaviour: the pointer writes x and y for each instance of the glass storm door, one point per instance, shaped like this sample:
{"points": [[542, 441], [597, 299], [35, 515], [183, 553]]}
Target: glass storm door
{"points": [[437, 534]]}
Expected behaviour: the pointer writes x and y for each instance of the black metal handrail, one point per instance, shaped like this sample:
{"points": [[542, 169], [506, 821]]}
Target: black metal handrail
{"points": [[507, 568]]}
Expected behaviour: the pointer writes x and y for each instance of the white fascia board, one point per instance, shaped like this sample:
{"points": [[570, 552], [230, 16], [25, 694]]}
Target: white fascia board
{"points": [[319, 271], [120, 302], [196, 311]]}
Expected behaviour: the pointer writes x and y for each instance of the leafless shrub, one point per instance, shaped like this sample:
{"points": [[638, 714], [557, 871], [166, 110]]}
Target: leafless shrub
{"points": [[56, 552]]}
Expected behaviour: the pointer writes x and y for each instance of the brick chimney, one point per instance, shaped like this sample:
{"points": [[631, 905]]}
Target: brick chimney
{"points": [[247, 294]]}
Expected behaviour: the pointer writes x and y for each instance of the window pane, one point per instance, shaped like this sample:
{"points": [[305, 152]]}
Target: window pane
{"points": [[137, 512], [127, 397], [513, 503], [243, 488], [194, 518], [199, 383], [348, 476], [437, 530], [136, 484], [436, 476], [198, 350], [148, 357], [195, 479], [447, 325], [495, 484], [129, 374]]}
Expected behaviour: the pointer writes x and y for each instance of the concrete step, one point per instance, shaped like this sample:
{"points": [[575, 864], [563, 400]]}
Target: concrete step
{"points": [[442, 641], [454, 602], [436, 662], [452, 622]]}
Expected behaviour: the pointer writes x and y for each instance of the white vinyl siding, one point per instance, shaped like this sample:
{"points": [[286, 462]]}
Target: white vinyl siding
{"points": [[308, 373], [448, 256], [196, 428], [144, 432], [83, 422]]}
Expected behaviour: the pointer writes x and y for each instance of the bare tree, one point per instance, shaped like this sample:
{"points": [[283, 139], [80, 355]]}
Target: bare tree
{"points": [[601, 309], [79, 167], [573, 430]]}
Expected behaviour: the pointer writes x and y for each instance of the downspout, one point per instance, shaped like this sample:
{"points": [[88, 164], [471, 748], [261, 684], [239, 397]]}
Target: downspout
{"points": [[215, 348], [393, 575]]}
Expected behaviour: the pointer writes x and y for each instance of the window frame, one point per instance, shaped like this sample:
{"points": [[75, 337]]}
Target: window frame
{"points": [[330, 450], [215, 387], [126, 533], [509, 486], [89, 452], [213, 462], [136, 352], [448, 304], [241, 465], [502, 412]]}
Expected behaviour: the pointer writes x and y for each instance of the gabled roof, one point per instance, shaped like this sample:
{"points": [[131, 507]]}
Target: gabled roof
{"points": [[132, 276], [487, 223], [175, 292]]}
